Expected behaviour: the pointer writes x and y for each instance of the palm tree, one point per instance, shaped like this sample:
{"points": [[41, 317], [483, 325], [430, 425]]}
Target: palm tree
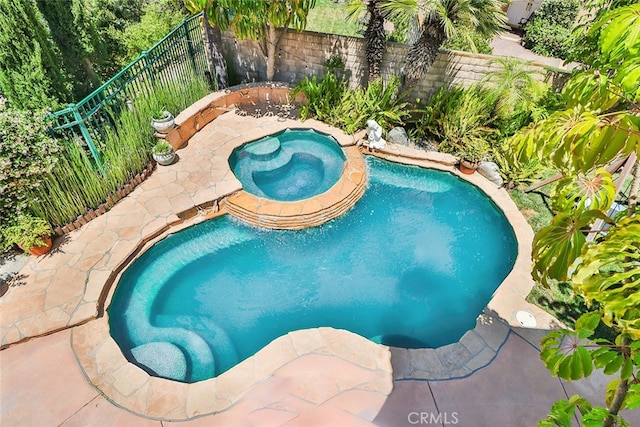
{"points": [[374, 34], [513, 85], [439, 21]]}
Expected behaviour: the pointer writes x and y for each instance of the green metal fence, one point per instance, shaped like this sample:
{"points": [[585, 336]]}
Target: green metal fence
{"points": [[179, 53]]}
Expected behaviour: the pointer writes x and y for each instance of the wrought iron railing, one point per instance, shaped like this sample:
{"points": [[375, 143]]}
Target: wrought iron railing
{"points": [[179, 54]]}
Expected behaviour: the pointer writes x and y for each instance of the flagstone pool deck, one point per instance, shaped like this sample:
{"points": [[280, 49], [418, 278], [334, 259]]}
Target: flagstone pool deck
{"points": [[58, 356]]}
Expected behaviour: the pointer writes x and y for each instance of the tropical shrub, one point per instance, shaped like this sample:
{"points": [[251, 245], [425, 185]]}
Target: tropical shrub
{"points": [[513, 86], [598, 124], [380, 101], [332, 102], [27, 154], [322, 98], [513, 172], [455, 116]]}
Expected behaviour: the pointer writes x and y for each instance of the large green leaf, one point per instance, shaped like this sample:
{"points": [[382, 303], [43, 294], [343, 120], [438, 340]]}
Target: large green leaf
{"points": [[590, 89], [619, 33], [609, 273], [632, 400], [557, 246], [565, 355], [595, 190]]}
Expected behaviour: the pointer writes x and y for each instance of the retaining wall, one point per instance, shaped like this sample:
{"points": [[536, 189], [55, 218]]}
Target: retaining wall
{"points": [[304, 54]]}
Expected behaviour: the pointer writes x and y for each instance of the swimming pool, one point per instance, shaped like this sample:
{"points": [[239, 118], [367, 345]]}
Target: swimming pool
{"points": [[294, 164], [411, 265]]}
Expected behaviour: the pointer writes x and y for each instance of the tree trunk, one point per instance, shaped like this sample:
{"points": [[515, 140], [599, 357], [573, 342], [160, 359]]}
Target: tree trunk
{"points": [[215, 60], [424, 52], [376, 39], [620, 393], [271, 51]]}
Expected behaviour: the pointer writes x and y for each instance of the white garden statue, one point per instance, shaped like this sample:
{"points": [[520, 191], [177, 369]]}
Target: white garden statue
{"points": [[374, 135]]}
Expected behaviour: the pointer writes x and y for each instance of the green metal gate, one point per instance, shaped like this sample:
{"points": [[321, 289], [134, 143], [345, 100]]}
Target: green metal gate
{"points": [[178, 54]]}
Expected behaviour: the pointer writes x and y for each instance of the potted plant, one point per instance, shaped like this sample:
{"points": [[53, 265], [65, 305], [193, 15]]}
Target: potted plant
{"points": [[471, 155], [32, 234], [162, 121], [163, 153]]}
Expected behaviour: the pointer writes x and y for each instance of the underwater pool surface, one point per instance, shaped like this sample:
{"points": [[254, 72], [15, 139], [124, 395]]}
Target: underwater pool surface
{"points": [[411, 265]]}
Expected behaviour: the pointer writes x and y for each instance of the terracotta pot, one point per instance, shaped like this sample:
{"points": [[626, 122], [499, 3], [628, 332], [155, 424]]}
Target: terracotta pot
{"points": [[40, 250], [468, 167]]}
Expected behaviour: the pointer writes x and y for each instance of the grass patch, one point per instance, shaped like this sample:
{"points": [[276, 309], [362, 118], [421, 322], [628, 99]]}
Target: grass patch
{"points": [[331, 18], [533, 207], [558, 300]]}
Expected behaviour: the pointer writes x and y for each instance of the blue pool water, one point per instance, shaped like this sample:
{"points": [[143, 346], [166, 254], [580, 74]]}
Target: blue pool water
{"points": [[294, 164], [411, 265]]}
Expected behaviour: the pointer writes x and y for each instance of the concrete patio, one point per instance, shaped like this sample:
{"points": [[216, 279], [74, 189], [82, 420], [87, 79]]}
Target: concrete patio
{"points": [[335, 379]]}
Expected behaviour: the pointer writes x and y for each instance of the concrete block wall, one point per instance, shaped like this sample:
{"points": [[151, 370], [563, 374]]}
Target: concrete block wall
{"points": [[304, 54]]}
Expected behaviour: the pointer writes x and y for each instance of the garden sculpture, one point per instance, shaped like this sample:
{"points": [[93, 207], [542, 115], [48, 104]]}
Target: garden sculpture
{"points": [[374, 135]]}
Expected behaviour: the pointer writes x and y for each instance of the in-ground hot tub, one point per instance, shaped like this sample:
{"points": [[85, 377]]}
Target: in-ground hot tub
{"points": [[294, 164]]}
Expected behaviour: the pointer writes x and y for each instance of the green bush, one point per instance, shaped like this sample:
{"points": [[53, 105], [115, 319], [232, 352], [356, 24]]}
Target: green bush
{"points": [[158, 19], [514, 173], [27, 153], [549, 32], [380, 101], [547, 39], [558, 12], [468, 40], [332, 102], [456, 117], [322, 98]]}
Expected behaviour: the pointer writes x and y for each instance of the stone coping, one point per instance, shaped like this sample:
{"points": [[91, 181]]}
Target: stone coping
{"points": [[207, 109], [363, 365]]}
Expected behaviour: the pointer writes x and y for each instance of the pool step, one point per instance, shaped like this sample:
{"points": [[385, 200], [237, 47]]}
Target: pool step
{"points": [[306, 213]]}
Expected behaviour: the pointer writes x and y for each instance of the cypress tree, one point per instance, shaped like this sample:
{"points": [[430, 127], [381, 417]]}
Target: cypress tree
{"points": [[75, 34], [31, 72]]}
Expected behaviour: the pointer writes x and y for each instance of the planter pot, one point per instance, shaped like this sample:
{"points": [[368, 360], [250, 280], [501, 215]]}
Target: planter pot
{"points": [[40, 250], [468, 167], [164, 159], [163, 125]]}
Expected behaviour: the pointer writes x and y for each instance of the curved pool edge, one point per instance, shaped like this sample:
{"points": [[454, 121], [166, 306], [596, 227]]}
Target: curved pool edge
{"points": [[354, 364]]}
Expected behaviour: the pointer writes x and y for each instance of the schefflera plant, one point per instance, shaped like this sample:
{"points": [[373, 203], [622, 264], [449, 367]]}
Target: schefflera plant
{"points": [[601, 123]]}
